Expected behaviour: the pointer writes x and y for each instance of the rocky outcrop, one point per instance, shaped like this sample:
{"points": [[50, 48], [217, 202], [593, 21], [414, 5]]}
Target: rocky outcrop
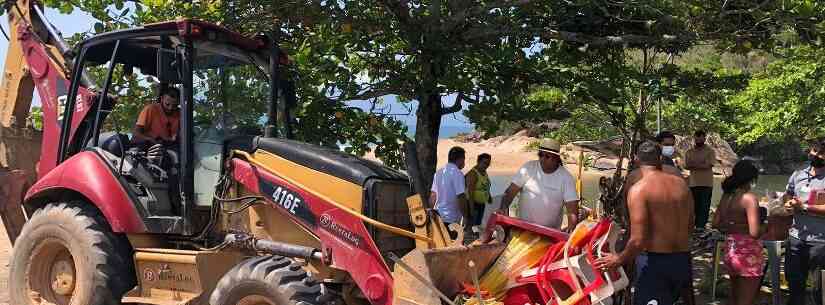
{"points": [[604, 155], [776, 158], [472, 137], [601, 155]]}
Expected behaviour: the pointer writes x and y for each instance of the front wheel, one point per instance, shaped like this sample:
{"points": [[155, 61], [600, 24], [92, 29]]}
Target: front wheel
{"points": [[267, 280], [68, 255]]}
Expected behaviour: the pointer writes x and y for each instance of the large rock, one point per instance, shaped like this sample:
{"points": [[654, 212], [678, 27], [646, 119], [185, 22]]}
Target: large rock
{"points": [[787, 155], [725, 156], [604, 155]]}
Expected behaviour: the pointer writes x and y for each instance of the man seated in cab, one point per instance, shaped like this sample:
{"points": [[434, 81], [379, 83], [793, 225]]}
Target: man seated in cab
{"points": [[158, 123]]}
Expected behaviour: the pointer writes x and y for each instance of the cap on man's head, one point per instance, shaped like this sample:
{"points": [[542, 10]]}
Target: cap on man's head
{"points": [[649, 153], [550, 145]]}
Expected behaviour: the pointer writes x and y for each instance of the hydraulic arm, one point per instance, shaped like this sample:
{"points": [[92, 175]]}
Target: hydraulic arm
{"points": [[37, 57]]}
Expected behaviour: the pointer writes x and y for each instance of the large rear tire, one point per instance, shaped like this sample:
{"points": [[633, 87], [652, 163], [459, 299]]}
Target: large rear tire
{"points": [[68, 255], [267, 280]]}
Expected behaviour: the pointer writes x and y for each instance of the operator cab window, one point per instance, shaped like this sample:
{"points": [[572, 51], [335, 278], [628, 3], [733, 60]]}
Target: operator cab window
{"points": [[142, 71], [230, 92]]}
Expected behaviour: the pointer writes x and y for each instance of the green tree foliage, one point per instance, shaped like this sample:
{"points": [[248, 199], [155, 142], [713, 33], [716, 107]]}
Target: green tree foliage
{"points": [[522, 111], [699, 100], [36, 117], [786, 100], [617, 61]]}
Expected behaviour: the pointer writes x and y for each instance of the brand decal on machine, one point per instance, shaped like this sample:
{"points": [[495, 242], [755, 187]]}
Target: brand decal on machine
{"points": [[165, 273], [287, 200], [149, 275], [329, 224]]}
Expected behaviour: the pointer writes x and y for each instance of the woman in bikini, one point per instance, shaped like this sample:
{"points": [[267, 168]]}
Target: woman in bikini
{"points": [[738, 217]]}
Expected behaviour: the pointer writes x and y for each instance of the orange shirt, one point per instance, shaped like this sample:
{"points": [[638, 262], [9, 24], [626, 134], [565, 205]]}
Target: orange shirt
{"points": [[156, 124]]}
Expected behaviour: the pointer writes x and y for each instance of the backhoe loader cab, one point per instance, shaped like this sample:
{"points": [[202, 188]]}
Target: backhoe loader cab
{"points": [[174, 193]]}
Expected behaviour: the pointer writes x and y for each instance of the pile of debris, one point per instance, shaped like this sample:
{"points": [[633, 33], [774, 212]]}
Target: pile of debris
{"points": [[547, 266]]}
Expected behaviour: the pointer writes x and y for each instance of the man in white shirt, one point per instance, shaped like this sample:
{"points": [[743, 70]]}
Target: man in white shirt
{"points": [[448, 190], [545, 186]]}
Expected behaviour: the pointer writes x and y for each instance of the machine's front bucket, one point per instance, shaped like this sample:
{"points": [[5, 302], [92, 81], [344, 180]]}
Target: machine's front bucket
{"points": [[19, 154], [444, 268], [12, 188]]}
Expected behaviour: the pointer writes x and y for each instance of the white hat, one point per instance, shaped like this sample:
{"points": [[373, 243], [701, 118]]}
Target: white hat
{"points": [[550, 145]]}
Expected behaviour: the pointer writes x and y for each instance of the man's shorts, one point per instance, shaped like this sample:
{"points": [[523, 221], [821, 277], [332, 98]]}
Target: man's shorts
{"points": [[660, 277]]}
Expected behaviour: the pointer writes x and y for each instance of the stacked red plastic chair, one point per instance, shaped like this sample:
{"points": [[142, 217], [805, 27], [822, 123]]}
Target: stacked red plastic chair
{"points": [[565, 275]]}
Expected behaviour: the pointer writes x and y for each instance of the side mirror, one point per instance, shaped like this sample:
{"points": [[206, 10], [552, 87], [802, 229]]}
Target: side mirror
{"points": [[167, 66]]}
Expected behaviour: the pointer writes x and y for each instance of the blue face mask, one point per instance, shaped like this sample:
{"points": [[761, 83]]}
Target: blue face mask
{"points": [[668, 151]]}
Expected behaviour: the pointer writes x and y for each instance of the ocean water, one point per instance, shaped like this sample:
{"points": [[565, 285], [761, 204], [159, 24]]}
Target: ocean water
{"points": [[446, 131]]}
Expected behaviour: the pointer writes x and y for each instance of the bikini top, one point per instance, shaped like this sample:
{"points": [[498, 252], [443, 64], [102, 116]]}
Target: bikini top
{"points": [[732, 220]]}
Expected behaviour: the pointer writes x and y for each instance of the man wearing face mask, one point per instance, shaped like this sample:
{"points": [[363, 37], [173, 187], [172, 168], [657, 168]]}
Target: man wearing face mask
{"points": [[699, 160], [806, 244], [668, 142]]}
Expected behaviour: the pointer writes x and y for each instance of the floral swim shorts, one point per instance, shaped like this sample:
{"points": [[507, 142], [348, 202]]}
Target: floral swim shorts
{"points": [[743, 255]]}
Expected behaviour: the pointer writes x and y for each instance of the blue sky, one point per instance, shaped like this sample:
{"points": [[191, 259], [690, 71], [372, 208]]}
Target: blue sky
{"points": [[79, 21]]}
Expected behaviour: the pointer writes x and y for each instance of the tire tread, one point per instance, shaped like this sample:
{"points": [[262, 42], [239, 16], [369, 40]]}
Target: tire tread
{"points": [[280, 275], [109, 253]]}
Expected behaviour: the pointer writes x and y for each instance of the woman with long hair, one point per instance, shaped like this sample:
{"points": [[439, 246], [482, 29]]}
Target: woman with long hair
{"points": [[738, 217]]}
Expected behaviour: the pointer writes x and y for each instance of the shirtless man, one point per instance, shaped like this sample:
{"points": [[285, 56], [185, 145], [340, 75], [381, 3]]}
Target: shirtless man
{"points": [[661, 218]]}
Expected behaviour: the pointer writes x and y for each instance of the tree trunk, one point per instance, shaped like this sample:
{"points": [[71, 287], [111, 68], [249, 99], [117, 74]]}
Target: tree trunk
{"points": [[428, 124]]}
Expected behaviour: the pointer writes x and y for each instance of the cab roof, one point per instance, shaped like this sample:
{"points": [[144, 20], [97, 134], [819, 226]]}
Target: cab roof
{"points": [[142, 43]]}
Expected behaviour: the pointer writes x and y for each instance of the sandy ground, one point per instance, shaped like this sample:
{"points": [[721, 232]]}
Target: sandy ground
{"points": [[508, 155]]}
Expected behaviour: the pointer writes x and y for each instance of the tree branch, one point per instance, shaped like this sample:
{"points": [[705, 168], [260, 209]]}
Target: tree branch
{"points": [[744, 11], [456, 107], [365, 95], [599, 41], [484, 34], [399, 10], [461, 18]]}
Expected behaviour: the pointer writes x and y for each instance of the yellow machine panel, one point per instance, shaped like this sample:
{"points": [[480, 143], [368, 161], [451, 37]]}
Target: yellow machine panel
{"points": [[337, 189], [167, 277]]}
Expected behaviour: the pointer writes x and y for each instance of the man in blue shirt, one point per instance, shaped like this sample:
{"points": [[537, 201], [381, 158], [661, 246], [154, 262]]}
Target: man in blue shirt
{"points": [[806, 244]]}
